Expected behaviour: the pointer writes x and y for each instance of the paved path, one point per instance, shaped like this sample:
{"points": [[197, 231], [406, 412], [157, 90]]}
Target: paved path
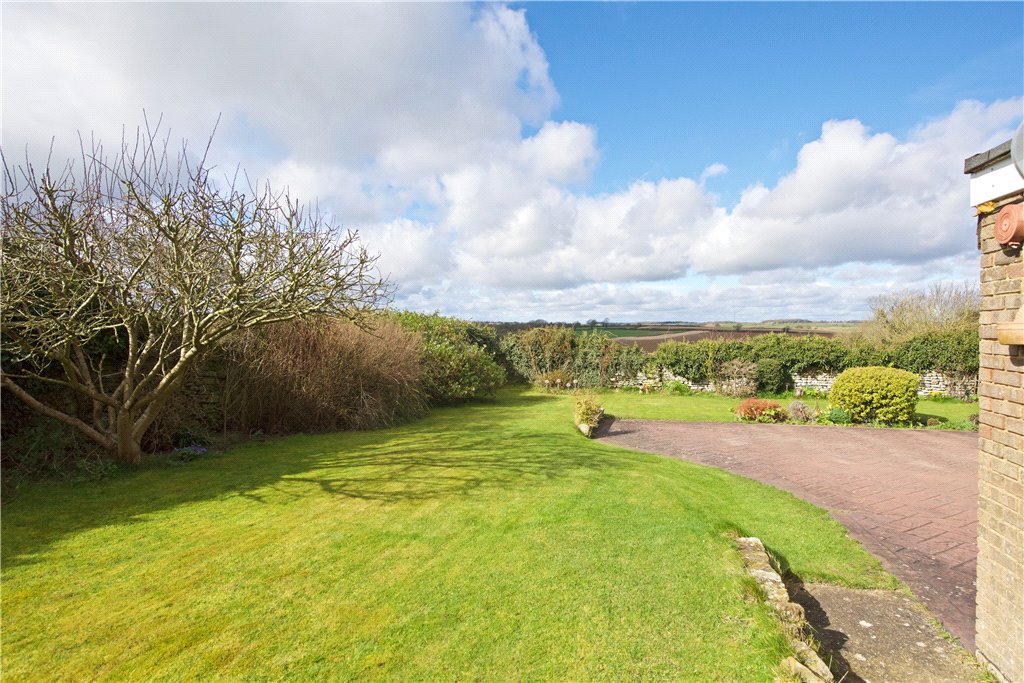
{"points": [[909, 496]]}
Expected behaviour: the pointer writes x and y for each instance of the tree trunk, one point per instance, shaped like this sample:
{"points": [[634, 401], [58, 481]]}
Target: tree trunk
{"points": [[129, 449]]}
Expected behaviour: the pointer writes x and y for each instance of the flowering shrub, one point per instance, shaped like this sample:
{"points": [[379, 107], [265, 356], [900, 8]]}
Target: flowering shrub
{"points": [[761, 410]]}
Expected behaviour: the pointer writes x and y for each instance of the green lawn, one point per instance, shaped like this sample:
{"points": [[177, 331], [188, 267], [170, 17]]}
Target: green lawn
{"points": [[482, 542], [704, 407]]}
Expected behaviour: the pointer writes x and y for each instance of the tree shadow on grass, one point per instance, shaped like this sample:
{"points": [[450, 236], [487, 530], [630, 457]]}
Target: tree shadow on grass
{"points": [[438, 466], [453, 452]]}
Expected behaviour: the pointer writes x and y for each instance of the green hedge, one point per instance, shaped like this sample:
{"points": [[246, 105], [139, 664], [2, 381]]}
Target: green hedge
{"points": [[459, 358], [954, 352], [591, 360], [595, 360]]}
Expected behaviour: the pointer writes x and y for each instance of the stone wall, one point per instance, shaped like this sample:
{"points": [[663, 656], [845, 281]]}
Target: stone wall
{"points": [[931, 382], [820, 382], [1000, 607], [647, 382]]}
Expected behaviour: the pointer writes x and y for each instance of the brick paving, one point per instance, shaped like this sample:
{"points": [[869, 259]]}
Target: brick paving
{"points": [[909, 496]]}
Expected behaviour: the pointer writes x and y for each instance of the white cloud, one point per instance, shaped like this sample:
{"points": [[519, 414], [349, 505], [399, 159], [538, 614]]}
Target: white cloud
{"points": [[407, 120], [713, 170], [412, 88], [857, 196], [417, 255]]}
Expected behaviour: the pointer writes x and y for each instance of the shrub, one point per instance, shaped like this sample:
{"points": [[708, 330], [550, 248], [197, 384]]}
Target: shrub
{"points": [[191, 435], [588, 411], [301, 377], [772, 376], [692, 360], [802, 413], [954, 352], [761, 410], [677, 388], [941, 307], [737, 378], [457, 357], [811, 392], [42, 446], [887, 395], [540, 350], [591, 360], [835, 416], [959, 425], [626, 361]]}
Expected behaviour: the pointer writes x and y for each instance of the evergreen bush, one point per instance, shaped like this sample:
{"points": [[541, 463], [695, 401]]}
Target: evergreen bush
{"points": [[458, 357], [772, 376], [880, 394]]}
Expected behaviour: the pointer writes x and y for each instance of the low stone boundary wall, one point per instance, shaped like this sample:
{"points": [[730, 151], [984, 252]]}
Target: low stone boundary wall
{"points": [[932, 382], [807, 665]]}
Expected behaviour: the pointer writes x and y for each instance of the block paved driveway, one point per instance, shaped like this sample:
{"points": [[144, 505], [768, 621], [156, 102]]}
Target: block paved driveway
{"points": [[909, 496]]}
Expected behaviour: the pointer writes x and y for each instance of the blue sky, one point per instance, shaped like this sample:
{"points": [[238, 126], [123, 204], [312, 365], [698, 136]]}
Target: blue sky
{"points": [[567, 161], [675, 87]]}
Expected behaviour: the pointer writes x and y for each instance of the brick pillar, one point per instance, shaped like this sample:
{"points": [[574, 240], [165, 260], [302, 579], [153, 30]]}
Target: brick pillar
{"points": [[1000, 620]]}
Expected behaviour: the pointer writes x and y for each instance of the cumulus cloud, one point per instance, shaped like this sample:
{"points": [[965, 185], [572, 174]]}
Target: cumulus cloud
{"points": [[407, 122], [853, 197], [861, 196], [394, 93], [417, 255]]}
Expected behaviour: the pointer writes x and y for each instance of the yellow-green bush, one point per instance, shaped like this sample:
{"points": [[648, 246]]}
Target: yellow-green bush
{"points": [[588, 411], [876, 393]]}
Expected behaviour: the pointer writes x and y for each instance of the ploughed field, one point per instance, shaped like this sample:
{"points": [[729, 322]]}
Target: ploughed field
{"points": [[651, 342]]}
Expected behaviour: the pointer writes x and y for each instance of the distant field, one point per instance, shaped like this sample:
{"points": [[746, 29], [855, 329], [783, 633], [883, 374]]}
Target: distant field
{"points": [[823, 326], [651, 342], [650, 337], [617, 332]]}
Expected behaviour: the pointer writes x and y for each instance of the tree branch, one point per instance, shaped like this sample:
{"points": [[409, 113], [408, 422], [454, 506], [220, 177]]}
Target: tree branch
{"points": [[49, 411]]}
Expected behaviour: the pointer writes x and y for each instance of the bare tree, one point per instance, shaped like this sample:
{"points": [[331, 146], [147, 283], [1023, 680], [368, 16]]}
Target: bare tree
{"points": [[143, 254], [941, 306]]}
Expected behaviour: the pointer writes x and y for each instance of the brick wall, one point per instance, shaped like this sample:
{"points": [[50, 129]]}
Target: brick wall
{"points": [[1000, 624]]}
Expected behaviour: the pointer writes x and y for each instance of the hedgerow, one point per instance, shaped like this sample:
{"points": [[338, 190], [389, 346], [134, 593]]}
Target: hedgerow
{"points": [[953, 352], [458, 357], [595, 360], [590, 359]]}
